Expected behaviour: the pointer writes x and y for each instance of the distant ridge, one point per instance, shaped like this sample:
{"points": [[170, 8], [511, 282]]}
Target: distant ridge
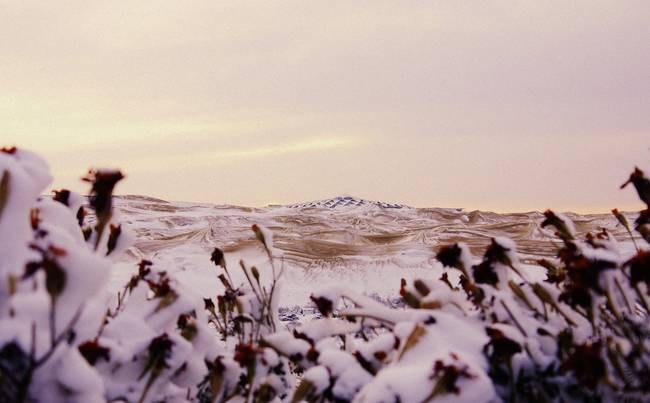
{"points": [[346, 201]]}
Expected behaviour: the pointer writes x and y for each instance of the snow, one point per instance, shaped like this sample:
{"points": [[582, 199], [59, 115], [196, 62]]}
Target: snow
{"points": [[346, 201], [95, 326]]}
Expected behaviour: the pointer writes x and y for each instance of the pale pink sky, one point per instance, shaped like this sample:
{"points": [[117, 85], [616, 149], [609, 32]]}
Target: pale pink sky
{"points": [[499, 105]]}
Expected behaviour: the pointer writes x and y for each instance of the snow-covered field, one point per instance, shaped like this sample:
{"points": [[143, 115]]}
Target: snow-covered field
{"points": [[279, 304], [368, 246]]}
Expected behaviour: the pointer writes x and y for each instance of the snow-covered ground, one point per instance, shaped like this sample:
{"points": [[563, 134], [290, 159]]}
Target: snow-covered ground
{"points": [[367, 246], [495, 334]]}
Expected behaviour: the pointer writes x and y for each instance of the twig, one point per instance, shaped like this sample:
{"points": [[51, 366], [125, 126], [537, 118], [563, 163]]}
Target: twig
{"points": [[521, 329]]}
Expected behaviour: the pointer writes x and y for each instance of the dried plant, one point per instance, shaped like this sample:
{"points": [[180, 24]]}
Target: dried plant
{"points": [[483, 331]]}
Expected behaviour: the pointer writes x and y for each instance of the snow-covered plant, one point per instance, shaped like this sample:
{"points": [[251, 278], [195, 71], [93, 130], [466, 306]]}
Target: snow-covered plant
{"points": [[243, 315], [52, 295], [63, 335], [483, 331]]}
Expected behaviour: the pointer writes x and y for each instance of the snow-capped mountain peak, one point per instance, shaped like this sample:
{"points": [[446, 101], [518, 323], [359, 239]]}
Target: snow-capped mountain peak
{"points": [[346, 201]]}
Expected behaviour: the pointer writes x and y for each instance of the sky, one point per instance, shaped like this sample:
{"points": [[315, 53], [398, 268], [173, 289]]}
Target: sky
{"points": [[492, 105]]}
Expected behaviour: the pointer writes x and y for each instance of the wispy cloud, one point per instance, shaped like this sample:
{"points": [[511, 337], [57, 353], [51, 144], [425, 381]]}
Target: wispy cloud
{"points": [[194, 159], [313, 144]]}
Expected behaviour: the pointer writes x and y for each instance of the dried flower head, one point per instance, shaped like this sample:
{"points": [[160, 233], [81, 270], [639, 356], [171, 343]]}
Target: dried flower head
{"points": [[586, 363], [62, 196], [92, 351], [450, 255], [9, 150], [324, 305], [639, 266], [159, 351], [217, 257], [500, 349], [447, 376], [641, 184], [103, 183], [561, 227]]}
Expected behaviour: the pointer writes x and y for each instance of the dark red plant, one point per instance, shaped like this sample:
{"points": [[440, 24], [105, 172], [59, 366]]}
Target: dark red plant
{"points": [[641, 184], [448, 375], [586, 364], [92, 351]]}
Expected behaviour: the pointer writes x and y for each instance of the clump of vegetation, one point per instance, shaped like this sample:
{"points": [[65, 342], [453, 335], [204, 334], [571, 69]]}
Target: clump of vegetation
{"points": [[483, 331]]}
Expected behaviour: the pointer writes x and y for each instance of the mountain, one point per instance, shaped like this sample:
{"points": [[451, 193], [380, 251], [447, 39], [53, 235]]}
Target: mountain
{"points": [[346, 201]]}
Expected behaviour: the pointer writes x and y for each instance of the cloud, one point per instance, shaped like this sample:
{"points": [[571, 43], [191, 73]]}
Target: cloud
{"points": [[206, 158]]}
